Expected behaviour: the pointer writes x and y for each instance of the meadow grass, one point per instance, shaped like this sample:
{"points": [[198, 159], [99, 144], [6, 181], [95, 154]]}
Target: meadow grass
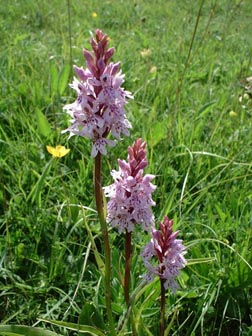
{"points": [[187, 64]]}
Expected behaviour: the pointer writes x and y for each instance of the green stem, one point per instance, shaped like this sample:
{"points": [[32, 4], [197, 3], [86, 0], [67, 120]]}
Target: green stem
{"points": [[128, 236], [162, 308], [69, 33], [182, 77], [127, 266], [106, 245]]}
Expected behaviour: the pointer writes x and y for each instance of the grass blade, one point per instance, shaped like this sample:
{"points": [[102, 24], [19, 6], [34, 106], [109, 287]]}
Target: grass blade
{"points": [[35, 194], [18, 330], [76, 327]]}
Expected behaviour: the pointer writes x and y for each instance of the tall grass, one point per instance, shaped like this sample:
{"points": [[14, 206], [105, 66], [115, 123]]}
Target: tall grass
{"points": [[187, 64]]}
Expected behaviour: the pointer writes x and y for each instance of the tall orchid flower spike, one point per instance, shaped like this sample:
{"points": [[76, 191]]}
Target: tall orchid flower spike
{"points": [[99, 107], [131, 193], [164, 255]]}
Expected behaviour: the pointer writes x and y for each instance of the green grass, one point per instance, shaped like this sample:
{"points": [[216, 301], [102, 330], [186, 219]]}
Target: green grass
{"points": [[200, 153]]}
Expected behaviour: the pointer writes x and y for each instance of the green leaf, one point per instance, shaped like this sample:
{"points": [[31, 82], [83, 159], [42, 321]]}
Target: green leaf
{"points": [[44, 127], [63, 79], [10, 334], [76, 327], [98, 259], [90, 314], [154, 110], [158, 133], [200, 261], [192, 295], [53, 79], [221, 213], [35, 194], [18, 330], [205, 109]]}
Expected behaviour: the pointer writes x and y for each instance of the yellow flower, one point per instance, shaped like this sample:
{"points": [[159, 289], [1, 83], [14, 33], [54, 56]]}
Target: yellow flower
{"points": [[145, 52], [153, 69], [233, 114], [58, 151], [244, 97], [94, 15]]}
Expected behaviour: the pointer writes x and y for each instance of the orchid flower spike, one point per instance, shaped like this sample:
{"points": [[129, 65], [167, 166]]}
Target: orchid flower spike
{"points": [[163, 256], [131, 193], [99, 107]]}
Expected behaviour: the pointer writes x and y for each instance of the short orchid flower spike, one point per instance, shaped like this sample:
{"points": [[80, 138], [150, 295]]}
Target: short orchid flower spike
{"points": [[163, 256], [131, 193], [99, 108]]}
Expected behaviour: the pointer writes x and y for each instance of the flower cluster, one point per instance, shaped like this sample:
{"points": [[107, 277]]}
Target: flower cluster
{"points": [[99, 107], [168, 254], [130, 194]]}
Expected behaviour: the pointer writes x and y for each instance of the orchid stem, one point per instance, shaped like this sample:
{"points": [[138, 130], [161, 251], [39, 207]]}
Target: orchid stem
{"points": [[106, 245], [162, 308], [127, 266], [128, 236]]}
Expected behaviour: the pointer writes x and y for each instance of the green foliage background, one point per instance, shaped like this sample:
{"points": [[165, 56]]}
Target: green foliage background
{"points": [[187, 64]]}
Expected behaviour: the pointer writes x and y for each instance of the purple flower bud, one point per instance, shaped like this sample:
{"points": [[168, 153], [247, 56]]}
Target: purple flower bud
{"points": [[109, 53], [88, 56], [164, 255], [81, 73], [101, 65]]}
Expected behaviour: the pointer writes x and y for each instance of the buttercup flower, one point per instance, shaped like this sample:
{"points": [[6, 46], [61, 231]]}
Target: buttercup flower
{"points": [[58, 151], [145, 52], [153, 69], [130, 195], [233, 114], [99, 107], [164, 255]]}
